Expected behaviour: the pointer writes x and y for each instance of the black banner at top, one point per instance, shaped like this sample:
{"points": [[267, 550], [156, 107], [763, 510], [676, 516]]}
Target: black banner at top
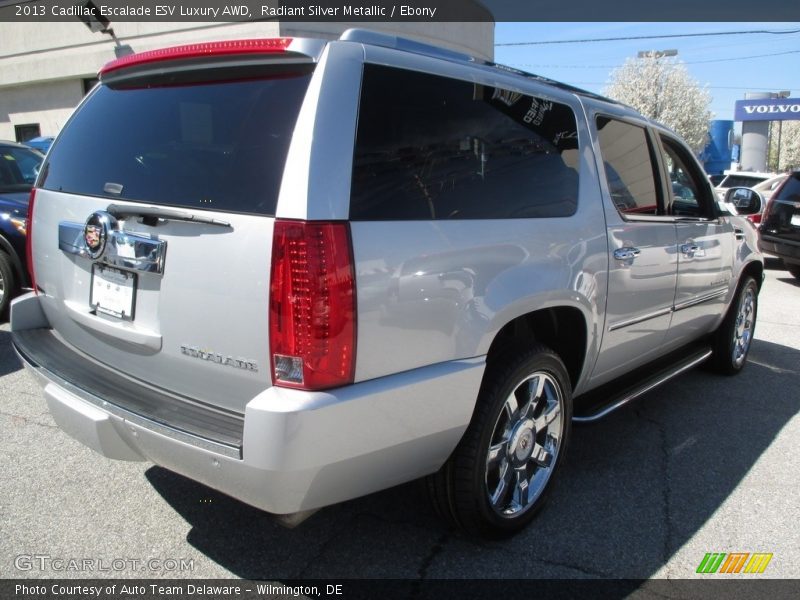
{"points": [[396, 10]]}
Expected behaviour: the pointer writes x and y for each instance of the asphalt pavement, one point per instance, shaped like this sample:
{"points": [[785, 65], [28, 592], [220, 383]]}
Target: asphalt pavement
{"points": [[704, 464]]}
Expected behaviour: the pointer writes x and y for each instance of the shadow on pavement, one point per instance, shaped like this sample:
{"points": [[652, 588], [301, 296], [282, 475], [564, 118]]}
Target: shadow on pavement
{"points": [[8, 360], [637, 486]]}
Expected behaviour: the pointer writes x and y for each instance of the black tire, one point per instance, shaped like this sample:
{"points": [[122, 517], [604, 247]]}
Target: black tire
{"points": [[484, 498], [734, 337], [794, 269], [8, 283]]}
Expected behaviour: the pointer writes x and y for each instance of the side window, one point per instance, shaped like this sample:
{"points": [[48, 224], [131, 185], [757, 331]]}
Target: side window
{"points": [[688, 190], [429, 147], [629, 167]]}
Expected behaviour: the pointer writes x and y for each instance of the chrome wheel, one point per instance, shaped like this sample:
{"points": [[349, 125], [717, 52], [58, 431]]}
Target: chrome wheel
{"points": [[524, 446], [743, 327]]}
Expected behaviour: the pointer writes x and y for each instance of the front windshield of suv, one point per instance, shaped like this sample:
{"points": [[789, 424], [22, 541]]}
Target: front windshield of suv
{"points": [[19, 168]]}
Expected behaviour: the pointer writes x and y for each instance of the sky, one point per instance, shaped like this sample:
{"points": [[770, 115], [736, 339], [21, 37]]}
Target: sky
{"points": [[727, 65]]}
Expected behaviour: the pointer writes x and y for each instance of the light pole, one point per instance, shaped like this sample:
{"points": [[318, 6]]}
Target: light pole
{"points": [[656, 53]]}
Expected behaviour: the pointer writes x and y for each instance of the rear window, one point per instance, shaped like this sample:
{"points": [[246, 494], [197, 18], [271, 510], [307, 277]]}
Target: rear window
{"points": [[430, 147], [218, 146], [19, 168], [740, 181], [791, 189]]}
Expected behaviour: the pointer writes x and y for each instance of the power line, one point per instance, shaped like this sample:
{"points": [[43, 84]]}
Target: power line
{"points": [[651, 37], [693, 62], [700, 62]]}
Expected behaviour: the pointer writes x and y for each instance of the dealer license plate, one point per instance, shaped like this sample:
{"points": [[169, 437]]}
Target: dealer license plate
{"points": [[113, 291]]}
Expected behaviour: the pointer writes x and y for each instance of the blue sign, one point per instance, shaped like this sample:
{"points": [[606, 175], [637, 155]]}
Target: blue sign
{"points": [[771, 109]]}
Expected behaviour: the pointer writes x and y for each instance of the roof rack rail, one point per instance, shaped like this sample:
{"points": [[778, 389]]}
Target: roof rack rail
{"points": [[365, 36]]}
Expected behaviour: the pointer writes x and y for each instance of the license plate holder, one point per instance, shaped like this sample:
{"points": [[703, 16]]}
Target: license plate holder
{"points": [[113, 292]]}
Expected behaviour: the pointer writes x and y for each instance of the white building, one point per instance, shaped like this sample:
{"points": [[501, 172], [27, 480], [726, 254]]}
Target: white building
{"points": [[46, 68]]}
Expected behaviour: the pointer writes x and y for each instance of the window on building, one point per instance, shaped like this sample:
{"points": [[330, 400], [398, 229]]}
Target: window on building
{"points": [[23, 133], [88, 84]]}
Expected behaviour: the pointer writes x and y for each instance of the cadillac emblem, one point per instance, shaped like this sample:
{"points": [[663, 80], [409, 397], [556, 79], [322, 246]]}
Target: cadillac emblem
{"points": [[95, 232]]}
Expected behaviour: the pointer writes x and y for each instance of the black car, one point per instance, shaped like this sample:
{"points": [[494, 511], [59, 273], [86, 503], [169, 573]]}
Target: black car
{"points": [[780, 225], [19, 166]]}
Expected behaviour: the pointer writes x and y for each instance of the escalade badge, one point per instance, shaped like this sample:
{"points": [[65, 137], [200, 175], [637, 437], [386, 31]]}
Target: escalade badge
{"points": [[220, 359], [95, 232]]}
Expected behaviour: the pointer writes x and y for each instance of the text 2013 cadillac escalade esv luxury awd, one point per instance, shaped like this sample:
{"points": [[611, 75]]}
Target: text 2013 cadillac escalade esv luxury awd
{"points": [[300, 271]]}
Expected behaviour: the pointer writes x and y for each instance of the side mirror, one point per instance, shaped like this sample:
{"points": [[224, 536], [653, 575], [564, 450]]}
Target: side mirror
{"points": [[745, 200]]}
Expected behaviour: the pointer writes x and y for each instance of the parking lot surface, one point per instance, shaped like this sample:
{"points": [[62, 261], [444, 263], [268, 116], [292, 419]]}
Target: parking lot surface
{"points": [[704, 464]]}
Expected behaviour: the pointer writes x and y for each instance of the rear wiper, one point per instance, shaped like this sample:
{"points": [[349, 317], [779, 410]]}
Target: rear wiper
{"points": [[151, 214]]}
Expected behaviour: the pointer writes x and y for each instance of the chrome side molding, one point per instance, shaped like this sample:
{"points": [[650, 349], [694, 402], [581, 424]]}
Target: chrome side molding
{"points": [[122, 249]]}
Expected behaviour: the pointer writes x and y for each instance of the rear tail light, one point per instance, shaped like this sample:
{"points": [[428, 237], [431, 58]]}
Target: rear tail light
{"points": [[312, 309], [755, 219], [29, 239]]}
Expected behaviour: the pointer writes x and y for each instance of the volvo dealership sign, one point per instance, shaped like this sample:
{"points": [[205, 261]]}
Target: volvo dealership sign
{"points": [[771, 109]]}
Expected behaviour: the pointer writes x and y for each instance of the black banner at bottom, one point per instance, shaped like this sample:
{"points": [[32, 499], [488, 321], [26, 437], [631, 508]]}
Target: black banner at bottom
{"points": [[351, 589]]}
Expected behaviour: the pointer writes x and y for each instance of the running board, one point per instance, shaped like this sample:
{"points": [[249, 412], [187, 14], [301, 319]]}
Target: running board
{"points": [[613, 401]]}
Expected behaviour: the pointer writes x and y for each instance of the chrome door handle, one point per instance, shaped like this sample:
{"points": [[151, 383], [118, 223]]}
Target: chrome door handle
{"points": [[626, 253], [689, 249]]}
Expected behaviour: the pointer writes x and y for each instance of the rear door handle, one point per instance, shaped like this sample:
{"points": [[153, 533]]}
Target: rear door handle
{"points": [[626, 253], [689, 249]]}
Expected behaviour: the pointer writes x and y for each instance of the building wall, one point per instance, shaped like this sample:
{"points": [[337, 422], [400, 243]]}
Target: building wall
{"points": [[42, 65]]}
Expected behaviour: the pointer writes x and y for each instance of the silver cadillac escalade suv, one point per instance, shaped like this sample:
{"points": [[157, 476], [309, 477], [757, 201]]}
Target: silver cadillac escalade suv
{"points": [[300, 271]]}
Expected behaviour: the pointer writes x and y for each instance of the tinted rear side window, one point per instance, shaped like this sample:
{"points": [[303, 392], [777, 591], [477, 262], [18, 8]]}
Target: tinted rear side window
{"points": [[429, 147], [218, 146], [630, 171]]}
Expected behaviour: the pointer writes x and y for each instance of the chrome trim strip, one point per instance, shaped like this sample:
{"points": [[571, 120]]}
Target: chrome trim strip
{"points": [[131, 251], [635, 320], [175, 434], [645, 388], [700, 299], [665, 311]]}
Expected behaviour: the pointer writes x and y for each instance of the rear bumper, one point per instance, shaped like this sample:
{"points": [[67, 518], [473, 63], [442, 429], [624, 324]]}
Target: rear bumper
{"points": [[296, 450], [788, 251]]}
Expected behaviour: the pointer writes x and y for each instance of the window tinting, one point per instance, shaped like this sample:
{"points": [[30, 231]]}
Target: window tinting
{"points": [[740, 181], [217, 146], [629, 167], [19, 168], [435, 148], [688, 195]]}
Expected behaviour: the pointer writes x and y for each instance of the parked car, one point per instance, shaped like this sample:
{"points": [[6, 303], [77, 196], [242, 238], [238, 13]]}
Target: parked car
{"points": [[19, 167], [742, 179], [420, 265], [41, 143], [780, 227], [767, 187]]}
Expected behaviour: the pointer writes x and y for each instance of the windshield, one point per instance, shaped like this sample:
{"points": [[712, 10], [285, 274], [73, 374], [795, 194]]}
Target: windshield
{"points": [[19, 168]]}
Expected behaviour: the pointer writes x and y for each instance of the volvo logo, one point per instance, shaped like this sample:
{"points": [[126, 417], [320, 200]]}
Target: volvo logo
{"points": [[96, 230]]}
